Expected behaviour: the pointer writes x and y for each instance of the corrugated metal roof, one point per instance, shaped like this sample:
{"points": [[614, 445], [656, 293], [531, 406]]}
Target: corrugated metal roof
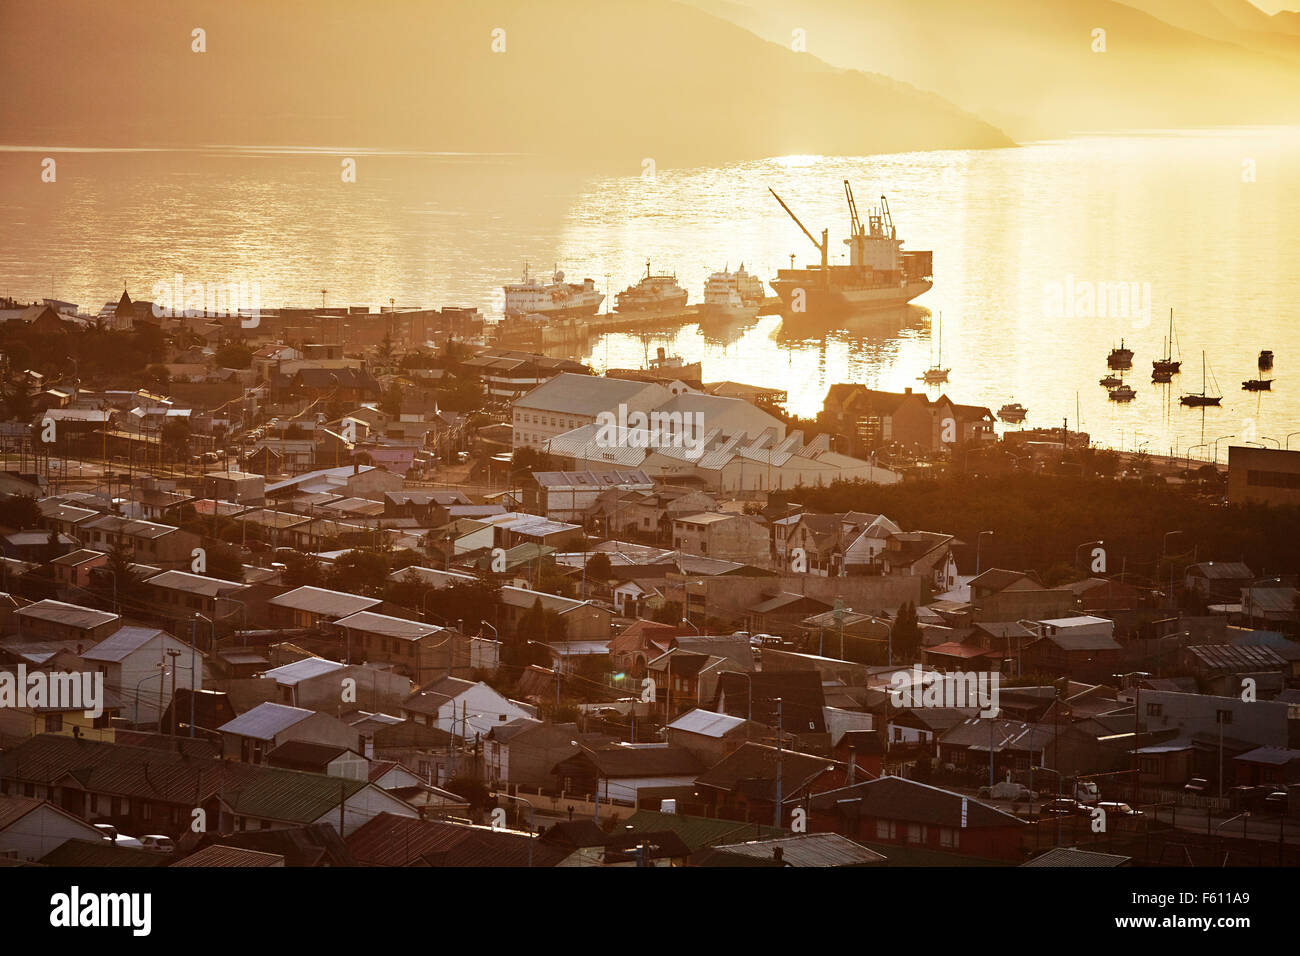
{"points": [[216, 855], [324, 602], [808, 849], [266, 720], [291, 673], [395, 627], [73, 615], [121, 643], [706, 722]]}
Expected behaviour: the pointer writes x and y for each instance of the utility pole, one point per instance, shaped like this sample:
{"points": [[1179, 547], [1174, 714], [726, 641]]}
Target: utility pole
{"points": [[777, 812], [173, 654]]}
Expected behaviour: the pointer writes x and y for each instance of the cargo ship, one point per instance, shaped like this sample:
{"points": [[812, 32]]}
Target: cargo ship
{"points": [[654, 293], [560, 299], [879, 276]]}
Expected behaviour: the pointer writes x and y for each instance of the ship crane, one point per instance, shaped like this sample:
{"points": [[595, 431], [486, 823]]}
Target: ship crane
{"points": [[823, 247], [855, 224]]}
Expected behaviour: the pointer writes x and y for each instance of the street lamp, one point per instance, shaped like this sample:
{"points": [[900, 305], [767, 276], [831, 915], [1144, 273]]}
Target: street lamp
{"points": [[532, 819], [1288, 439], [978, 540], [1084, 545], [1204, 444], [1216, 445]]}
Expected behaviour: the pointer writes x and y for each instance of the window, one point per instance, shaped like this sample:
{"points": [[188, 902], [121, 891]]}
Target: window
{"points": [[947, 837], [1155, 710], [886, 830], [916, 833], [53, 723], [1223, 716]]}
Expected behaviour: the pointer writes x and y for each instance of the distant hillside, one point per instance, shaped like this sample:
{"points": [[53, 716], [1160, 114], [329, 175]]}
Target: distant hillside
{"points": [[581, 80], [1029, 67]]}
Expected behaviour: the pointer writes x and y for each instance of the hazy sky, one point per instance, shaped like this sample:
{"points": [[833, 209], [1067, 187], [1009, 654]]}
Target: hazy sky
{"points": [[1273, 6]]}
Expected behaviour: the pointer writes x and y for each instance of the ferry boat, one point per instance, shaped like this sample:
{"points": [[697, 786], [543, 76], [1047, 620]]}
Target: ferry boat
{"points": [[880, 275], [1015, 413], [654, 293], [1122, 393], [732, 295], [559, 299], [1120, 357]]}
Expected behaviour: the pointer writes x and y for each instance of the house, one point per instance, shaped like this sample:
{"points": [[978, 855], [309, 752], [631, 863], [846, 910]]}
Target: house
{"points": [[57, 621], [1082, 647], [725, 535], [583, 620], [569, 495], [252, 735], [184, 594], [744, 784], [335, 760], [37, 546], [152, 789], [319, 684], [145, 666], [155, 544], [460, 707], [570, 400], [312, 607], [523, 751], [624, 773], [1002, 595], [1218, 582], [1278, 766], [72, 570], [240, 487], [229, 856], [417, 650], [708, 735], [31, 828], [894, 811], [389, 840], [801, 849]]}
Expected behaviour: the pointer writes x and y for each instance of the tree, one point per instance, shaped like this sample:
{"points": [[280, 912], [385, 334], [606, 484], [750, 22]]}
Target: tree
{"points": [[302, 570], [599, 567], [233, 355], [124, 578], [224, 562], [907, 635], [361, 571], [19, 512]]}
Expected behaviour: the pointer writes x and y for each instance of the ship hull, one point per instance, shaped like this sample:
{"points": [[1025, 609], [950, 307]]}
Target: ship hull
{"points": [[674, 304], [566, 312], [818, 299]]}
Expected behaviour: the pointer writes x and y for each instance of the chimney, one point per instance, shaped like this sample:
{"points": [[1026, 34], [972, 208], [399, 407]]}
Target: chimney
{"points": [[907, 390], [778, 854]]}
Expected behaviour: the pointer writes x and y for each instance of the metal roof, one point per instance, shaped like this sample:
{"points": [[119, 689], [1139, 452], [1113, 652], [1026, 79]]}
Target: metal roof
{"points": [[121, 643], [324, 602], [706, 722], [290, 674], [396, 627], [73, 615], [808, 849], [266, 720]]}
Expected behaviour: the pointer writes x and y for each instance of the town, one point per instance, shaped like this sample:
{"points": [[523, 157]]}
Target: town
{"points": [[368, 589]]}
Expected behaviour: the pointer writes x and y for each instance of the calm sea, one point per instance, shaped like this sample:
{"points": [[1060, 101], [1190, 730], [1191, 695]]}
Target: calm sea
{"points": [[1032, 249]]}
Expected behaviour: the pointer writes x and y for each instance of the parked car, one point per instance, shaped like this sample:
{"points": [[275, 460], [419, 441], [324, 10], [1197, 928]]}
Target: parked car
{"points": [[1005, 790], [1064, 807], [1115, 809], [109, 831], [1196, 785], [158, 842]]}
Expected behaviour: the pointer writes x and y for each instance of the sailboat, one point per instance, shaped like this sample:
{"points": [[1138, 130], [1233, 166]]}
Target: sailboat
{"points": [[936, 374], [1163, 369], [1204, 398]]}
